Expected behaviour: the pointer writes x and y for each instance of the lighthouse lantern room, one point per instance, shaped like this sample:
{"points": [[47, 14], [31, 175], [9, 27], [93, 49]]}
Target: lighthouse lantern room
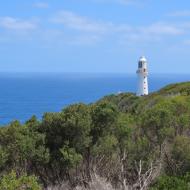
{"points": [[142, 73]]}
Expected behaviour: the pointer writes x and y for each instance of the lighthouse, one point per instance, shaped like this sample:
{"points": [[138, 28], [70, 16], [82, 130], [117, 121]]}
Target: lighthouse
{"points": [[142, 73]]}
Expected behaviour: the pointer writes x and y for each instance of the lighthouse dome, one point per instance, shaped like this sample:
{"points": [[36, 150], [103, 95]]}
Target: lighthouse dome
{"points": [[143, 59]]}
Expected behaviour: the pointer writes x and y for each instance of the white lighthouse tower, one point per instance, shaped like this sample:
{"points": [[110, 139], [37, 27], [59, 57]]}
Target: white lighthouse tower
{"points": [[142, 72]]}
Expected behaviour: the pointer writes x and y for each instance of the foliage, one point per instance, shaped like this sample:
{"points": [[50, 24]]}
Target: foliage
{"points": [[172, 183], [70, 157], [12, 182], [110, 137]]}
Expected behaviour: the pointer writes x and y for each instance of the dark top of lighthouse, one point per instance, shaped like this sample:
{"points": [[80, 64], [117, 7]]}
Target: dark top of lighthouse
{"points": [[142, 62]]}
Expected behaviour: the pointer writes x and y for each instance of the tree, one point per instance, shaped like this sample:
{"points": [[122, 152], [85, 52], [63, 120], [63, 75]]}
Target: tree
{"points": [[104, 117], [157, 124], [22, 148], [3, 157], [180, 156]]}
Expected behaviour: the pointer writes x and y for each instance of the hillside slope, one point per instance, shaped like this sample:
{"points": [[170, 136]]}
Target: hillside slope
{"points": [[127, 141]]}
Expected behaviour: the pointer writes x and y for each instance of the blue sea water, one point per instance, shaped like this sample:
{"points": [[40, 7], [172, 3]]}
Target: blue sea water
{"points": [[25, 94]]}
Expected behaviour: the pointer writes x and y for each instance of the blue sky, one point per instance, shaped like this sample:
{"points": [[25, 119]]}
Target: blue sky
{"points": [[94, 35]]}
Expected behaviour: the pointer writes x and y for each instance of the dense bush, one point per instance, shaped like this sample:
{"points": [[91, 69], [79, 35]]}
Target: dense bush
{"points": [[172, 183], [127, 140], [12, 182]]}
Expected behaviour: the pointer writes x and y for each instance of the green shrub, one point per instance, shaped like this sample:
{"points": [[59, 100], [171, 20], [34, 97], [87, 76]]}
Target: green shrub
{"points": [[12, 182]]}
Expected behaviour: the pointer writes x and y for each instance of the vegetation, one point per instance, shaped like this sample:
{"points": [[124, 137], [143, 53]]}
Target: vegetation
{"points": [[12, 182], [132, 142]]}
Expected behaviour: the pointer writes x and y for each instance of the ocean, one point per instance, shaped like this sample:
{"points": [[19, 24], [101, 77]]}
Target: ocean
{"points": [[26, 94]]}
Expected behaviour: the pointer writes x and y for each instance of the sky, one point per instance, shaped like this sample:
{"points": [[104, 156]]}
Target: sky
{"points": [[94, 36]]}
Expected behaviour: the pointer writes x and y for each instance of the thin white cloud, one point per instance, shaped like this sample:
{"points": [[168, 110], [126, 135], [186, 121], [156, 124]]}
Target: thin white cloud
{"points": [[162, 29], [96, 31], [77, 22], [123, 2], [72, 28], [41, 5], [149, 33], [155, 32], [74, 21], [186, 42], [183, 13], [16, 24]]}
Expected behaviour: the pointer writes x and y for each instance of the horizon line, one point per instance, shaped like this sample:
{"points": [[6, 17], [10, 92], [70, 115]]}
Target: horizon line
{"points": [[76, 72]]}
